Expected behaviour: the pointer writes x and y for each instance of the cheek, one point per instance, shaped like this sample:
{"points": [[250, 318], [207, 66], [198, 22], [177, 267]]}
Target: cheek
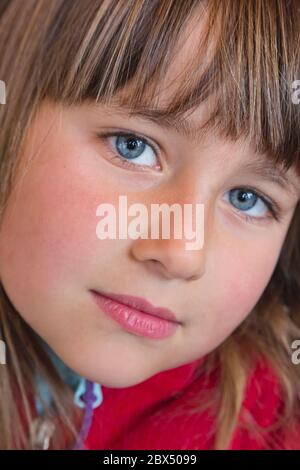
{"points": [[245, 276], [237, 273], [48, 237]]}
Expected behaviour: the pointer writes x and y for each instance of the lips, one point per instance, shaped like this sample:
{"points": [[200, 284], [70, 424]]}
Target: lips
{"points": [[142, 305], [133, 315]]}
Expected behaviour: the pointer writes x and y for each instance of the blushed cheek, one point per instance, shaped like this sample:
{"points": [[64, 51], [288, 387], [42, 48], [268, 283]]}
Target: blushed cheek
{"points": [[247, 277], [48, 238]]}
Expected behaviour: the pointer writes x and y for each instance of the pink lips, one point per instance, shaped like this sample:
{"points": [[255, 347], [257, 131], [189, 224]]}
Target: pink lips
{"points": [[137, 315]]}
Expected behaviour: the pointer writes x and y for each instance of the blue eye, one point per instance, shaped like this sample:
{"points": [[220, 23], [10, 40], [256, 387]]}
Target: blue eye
{"points": [[131, 149], [251, 205]]}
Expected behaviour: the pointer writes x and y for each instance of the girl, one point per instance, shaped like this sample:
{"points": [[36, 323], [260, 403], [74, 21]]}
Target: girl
{"points": [[165, 102]]}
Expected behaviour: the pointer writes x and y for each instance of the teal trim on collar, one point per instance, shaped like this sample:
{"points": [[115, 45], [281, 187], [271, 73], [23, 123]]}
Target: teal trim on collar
{"points": [[73, 379]]}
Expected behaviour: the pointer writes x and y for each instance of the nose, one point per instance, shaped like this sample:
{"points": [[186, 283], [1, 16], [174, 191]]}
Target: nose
{"points": [[172, 257], [169, 258]]}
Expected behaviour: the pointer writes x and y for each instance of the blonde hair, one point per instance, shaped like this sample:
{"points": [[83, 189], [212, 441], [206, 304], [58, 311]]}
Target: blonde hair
{"points": [[91, 50]]}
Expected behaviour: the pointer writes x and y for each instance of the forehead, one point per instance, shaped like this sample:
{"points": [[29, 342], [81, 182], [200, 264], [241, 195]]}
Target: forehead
{"points": [[189, 56], [185, 59]]}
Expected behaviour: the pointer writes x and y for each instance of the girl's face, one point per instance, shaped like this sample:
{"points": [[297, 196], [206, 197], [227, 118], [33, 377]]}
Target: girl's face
{"points": [[51, 258]]}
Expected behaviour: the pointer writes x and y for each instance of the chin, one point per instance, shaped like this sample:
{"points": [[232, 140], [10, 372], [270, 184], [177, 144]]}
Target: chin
{"points": [[117, 380], [112, 375]]}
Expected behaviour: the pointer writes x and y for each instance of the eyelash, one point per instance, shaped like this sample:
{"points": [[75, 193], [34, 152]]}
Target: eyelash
{"points": [[127, 164], [270, 204]]}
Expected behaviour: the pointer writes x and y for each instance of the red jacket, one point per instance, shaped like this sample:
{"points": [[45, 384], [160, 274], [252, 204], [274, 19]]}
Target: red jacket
{"points": [[141, 416]]}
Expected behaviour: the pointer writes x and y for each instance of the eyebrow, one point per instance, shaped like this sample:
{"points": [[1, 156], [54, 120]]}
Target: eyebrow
{"points": [[259, 166], [181, 125], [268, 171]]}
